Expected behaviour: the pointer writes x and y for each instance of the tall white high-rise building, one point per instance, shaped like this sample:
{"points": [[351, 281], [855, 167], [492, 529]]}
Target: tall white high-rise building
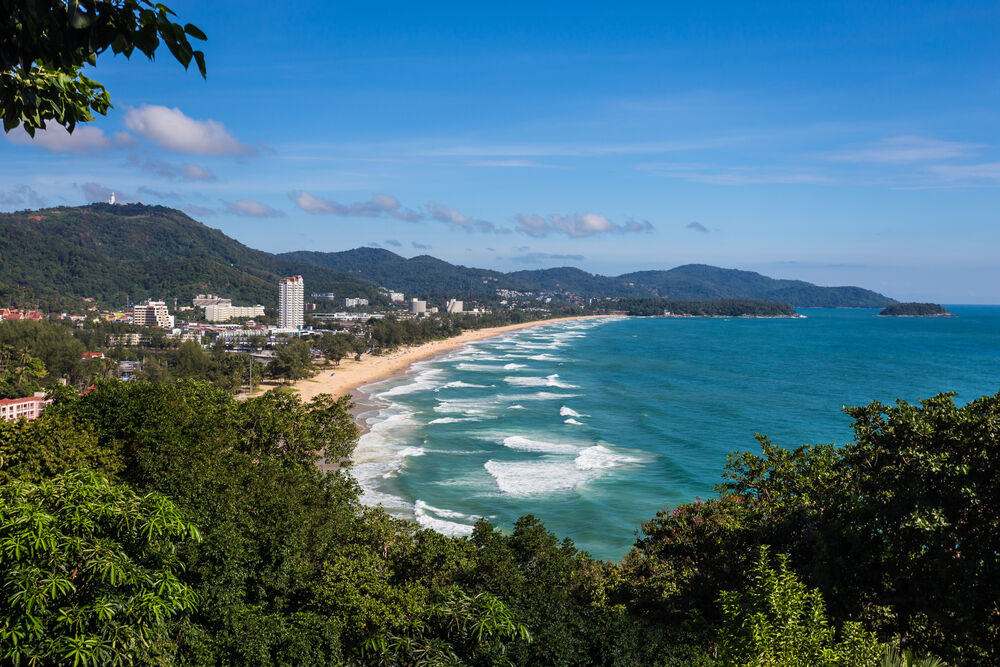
{"points": [[291, 307]]}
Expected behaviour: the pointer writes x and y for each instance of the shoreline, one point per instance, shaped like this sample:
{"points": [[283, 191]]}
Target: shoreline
{"points": [[350, 375]]}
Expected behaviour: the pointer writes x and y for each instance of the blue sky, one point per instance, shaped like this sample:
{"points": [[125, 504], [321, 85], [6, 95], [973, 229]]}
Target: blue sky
{"points": [[840, 143]]}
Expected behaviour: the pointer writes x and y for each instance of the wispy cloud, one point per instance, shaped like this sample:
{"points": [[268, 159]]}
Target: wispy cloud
{"points": [[55, 138], [721, 175], [576, 225], [967, 173], [540, 257], [252, 209], [21, 195], [380, 205], [173, 172], [458, 220], [697, 226], [421, 246], [394, 243], [511, 163], [172, 130], [908, 148]]}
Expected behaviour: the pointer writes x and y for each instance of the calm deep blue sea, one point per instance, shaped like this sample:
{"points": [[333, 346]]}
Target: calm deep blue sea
{"points": [[595, 425]]}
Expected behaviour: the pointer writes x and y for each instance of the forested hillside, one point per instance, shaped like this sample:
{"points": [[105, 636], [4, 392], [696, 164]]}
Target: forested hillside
{"points": [[121, 254]]}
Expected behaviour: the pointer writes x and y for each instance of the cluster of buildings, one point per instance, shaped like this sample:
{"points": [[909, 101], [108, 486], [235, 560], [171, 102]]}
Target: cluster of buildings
{"points": [[18, 314]]}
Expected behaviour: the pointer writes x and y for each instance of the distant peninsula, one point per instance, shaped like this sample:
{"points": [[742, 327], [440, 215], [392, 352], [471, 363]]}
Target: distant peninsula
{"points": [[711, 308], [913, 309]]}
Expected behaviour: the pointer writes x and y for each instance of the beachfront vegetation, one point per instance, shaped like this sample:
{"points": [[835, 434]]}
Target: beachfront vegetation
{"points": [[889, 542]]}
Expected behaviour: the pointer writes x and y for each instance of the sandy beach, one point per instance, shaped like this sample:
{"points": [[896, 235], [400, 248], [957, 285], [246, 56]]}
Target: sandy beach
{"points": [[341, 380]]}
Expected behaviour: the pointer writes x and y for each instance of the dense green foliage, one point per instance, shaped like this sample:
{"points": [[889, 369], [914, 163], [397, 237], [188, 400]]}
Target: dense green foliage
{"points": [[912, 309], [124, 254], [895, 534], [47, 44], [779, 621], [719, 308], [89, 571]]}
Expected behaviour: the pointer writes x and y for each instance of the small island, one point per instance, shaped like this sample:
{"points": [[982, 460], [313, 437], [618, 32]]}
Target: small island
{"points": [[913, 309]]}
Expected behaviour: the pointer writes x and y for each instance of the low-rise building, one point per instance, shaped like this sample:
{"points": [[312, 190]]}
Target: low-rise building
{"points": [[23, 408], [224, 312], [454, 306], [354, 302], [417, 306], [203, 300], [397, 297], [127, 339]]}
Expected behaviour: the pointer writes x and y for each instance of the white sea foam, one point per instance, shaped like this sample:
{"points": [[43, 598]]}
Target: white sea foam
{"points": [[600, 457], [526, 478], [516, 407], [458, 384], [467, 406], [545, 356], [512, 367], [479, 367], [452, 420], [425, 516], [572, 421], [531, 381], [539, 396], [524, 444], [565, 411]]}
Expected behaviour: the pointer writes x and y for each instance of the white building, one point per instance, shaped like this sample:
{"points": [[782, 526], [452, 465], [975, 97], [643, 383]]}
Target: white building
{"points": [[224, 312], [291, 313], [397, 297], [417, 306], [203, 300], [354, 302], [153, 314], [12, 409], [454, 306]]}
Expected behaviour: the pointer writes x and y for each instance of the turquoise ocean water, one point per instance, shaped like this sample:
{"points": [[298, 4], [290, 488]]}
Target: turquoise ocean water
{"points": [[595, 425]]}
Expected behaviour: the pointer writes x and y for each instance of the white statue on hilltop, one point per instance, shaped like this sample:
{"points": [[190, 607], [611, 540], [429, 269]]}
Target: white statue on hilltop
{"points": [[112, 198]]}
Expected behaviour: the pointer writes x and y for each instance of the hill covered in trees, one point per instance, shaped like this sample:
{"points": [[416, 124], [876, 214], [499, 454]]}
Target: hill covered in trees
{"points": [[691, 282], [121, 254]]}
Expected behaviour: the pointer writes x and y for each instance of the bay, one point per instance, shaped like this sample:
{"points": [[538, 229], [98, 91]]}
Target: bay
{"points": [[595, 425]]}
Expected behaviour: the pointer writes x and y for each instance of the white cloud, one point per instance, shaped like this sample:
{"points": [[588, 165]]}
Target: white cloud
{"points": [[721, 175], [173, 172], [55, 138], [380, 205], [173, 130], [452, 217], [252, 209], [576, 225], [193, 172], [907, 148]]}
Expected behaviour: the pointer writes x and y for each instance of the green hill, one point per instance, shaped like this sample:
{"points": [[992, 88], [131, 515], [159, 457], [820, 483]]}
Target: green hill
{"points": [[122, 254], [692, 282], [700, 281]]}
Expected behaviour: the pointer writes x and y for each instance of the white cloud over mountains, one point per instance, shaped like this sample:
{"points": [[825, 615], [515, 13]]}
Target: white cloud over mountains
{"points": [[172, 130], [252, 209], [576, 225], [383, 205]]}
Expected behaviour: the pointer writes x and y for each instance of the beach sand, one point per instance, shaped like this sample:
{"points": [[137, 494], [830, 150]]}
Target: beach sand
{"points": [[341, 380]]}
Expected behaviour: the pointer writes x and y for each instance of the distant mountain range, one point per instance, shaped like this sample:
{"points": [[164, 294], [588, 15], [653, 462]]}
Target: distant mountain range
{"points": [[115, 254], [691, 282]]}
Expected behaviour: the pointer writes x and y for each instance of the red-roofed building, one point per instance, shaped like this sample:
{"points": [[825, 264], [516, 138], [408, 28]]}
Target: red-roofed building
{"points": [[92, 355], [23, 408]]}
